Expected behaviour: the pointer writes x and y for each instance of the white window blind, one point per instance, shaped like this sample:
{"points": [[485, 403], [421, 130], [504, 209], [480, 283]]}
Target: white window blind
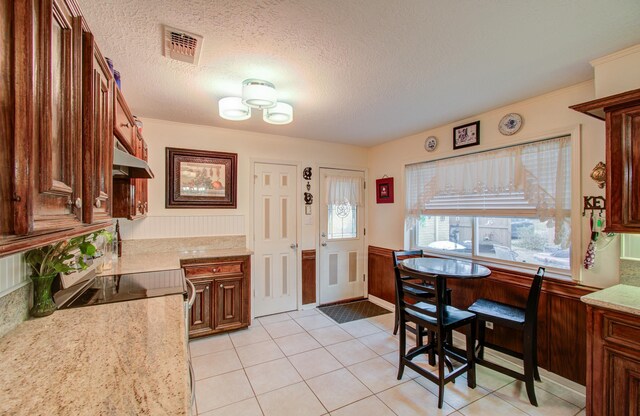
{"points": [[530, 180]]}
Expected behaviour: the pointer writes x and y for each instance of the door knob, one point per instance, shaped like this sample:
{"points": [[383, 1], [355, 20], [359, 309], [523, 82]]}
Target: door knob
{"points": [[294, 246], [324, 244]]}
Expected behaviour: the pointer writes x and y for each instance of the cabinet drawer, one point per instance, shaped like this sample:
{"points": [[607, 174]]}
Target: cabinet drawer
{"points": [[123, 126], [618, 330], [213, 269]]}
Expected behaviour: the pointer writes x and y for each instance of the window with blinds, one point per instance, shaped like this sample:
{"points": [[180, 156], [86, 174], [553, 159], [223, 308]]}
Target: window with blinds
{"points": [[510, 204]]}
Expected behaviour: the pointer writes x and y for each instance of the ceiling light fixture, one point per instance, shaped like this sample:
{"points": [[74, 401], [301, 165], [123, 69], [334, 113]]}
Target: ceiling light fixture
{"points": [[260, 94], [282, 113], [231, 108]]}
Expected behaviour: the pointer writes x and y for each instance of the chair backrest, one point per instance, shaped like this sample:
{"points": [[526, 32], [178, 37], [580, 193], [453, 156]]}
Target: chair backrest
{"points": [[399, 255], [531, 312], [435, 286]]}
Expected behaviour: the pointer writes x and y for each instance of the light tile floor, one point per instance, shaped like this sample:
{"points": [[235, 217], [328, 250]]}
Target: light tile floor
{"points": [[304, 364]]}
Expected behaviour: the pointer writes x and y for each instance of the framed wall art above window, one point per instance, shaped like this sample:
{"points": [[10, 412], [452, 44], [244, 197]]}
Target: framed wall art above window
{"points": [[200, 179], [466, 135]]}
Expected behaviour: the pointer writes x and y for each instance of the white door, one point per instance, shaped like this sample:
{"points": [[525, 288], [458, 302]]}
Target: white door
{"points": [[341, 260], [276, 247]]}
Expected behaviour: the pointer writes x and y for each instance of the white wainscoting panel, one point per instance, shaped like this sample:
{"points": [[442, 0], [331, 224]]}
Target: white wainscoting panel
{"points": [[180, 226], [14, 273]]}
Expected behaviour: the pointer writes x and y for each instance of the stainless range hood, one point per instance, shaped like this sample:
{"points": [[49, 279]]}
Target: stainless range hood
{"points": [[126, 165]]}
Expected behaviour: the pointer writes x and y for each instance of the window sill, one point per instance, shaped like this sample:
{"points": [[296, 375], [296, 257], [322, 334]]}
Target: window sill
{"points": [[530, 269]]}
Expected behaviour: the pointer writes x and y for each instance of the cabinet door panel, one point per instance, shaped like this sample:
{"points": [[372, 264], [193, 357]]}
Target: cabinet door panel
{"points": [[228, 302], [623, 384], [97, 131], [57, 141], [200, 315]]}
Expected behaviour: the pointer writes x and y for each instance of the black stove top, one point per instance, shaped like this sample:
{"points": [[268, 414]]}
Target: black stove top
{"points": [[125, 287]]}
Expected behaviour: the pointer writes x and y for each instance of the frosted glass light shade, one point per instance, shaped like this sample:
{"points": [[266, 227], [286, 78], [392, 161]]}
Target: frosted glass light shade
{"points": [[282, 113], [231, 108], [257, 93]]}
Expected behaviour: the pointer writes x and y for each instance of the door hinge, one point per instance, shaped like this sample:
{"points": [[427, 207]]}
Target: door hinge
{"points": [[254, 178], [365, 231], [363, 277], [365, 184]]}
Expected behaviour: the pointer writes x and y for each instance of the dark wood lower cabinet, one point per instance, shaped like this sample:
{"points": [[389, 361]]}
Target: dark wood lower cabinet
{"points": [[613, 363], [562, 317], [222, 294], [228, 303], [200, 320]]}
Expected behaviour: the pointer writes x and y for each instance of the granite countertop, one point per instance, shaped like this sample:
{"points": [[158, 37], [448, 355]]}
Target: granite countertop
{"points": [[118, 358], [168, 260], [622, 298]]}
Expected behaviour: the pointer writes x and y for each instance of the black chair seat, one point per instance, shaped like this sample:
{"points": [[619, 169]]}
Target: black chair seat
{"points": [[453, 317], [501, 313]]}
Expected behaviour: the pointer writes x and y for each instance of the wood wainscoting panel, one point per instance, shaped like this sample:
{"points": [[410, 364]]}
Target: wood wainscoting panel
{"points": [[308, 276], [562, 318], [381, 274]]}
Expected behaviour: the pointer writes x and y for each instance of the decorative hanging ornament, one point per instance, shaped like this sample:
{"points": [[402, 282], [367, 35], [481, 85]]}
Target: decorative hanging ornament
{"points": [[590, 256]]}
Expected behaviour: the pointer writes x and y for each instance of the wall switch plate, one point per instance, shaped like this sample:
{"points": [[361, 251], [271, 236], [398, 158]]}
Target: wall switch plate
{"points": [[488, 325]]}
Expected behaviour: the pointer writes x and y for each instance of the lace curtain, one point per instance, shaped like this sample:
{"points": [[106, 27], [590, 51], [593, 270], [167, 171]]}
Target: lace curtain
{"points": [[531, 180], [344, 189]]}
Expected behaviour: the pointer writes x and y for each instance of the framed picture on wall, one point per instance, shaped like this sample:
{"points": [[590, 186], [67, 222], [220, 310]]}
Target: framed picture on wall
{"points": [[200, 179], [384, 191], [466, 135]]}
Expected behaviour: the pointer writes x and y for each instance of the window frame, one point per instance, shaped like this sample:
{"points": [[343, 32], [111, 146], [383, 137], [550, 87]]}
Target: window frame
{"points": [[492, 261], [575, 272]]}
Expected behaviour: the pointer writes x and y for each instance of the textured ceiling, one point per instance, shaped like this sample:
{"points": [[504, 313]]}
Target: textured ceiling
{"points": [[358, 71]]}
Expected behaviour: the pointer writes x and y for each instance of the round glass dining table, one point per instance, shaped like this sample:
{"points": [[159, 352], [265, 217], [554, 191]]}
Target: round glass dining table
{"points": [[447, 268]]}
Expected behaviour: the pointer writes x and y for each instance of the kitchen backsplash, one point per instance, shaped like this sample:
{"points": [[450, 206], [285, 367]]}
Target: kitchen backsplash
{"points": [[181, 226], [630, 272], [15, 292], [163, 245]]}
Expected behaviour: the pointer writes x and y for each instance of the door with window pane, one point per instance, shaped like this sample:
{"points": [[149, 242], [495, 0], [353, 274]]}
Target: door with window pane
{"points": [[341, 254], [276, 245]]}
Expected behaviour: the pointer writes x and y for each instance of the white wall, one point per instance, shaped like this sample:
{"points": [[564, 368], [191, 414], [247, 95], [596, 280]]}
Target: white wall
{"points": [[250, 147], [544, 116], [617, 72]]}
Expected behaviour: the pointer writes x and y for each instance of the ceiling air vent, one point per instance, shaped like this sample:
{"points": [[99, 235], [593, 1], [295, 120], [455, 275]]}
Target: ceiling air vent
{"points": [[182, 46]]}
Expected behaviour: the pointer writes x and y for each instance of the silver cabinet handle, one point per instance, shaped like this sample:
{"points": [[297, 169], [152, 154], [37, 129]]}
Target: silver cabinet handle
{"points": [[77, 203], [192, 298], [98, 203], [192, 380], [126, 125], [221, 286]]}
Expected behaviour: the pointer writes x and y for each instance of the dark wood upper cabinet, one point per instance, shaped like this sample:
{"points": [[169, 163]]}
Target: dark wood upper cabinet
{"points": [[621, 113], [56, 126], [97, 132], [131, 194], [124, 127]]}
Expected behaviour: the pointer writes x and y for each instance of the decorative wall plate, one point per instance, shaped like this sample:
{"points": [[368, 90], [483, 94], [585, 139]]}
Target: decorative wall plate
{"points": [[430, 143], [510, 124]]}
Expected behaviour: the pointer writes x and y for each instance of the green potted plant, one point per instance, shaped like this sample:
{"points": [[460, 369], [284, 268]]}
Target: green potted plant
{"points": [[49, 261]]}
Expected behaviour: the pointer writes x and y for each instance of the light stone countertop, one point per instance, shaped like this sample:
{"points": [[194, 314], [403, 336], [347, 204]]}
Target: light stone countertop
{"points": [[622, 298], [119, 358], [170, 260]]}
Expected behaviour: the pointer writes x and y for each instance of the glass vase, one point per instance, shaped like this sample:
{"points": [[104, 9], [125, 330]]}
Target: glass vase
{"points": [[43, 304]]}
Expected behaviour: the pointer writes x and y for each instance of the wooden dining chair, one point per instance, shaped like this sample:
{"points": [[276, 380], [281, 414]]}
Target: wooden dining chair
{"points": [[415, 294], [524, 320], [439, 319]]}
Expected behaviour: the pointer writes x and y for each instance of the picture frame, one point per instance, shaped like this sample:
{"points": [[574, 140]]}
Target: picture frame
{"points": [[466, 135], [200, 178], [384, 191]]}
